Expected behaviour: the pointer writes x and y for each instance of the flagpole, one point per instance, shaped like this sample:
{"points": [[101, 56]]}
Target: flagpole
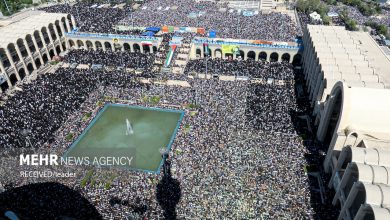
{"points": [[206, 47]]}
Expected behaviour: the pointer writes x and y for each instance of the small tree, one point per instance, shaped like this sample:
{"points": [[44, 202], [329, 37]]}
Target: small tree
{"points": [[326, 19]]}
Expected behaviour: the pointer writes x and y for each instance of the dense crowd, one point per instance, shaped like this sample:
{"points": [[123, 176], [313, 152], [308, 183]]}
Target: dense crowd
{"points": [[92, 19], [238, 153], [108, 58], [30, 117], [243, 137], [227, 23], [355, 14], [249, 68]]}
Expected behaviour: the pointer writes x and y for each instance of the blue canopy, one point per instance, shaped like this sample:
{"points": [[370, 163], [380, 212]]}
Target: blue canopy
{"points": [[153, 29], [248, 13], [148, 33], [212, 33]]}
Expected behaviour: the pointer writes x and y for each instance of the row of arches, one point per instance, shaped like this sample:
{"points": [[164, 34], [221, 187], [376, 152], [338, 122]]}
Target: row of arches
{"points": [[14, 77], [108, 46], [273, 57], [36, 41]]}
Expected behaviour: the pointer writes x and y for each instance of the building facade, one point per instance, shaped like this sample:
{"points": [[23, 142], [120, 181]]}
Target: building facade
{"points": [[348, 84], [278, 51], [30, 41]]}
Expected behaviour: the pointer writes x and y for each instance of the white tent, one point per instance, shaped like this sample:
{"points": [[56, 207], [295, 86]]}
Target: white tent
{"points": [[315, 16]]}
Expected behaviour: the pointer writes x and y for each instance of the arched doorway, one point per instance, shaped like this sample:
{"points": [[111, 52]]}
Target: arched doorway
{"points": [[30, 43], [58, 49], [136, 48], [52, 32], [21, 47], [118, 47], [274, 57], [146, 48], [241, 54], [22, 73], [63, 20], [229, 55], [98, 45], [154, 49], [263, 56], [126, 46], [252, 55], [4, 58], [297, 59], [58, 28], [69, 20], [38, 39], [51, 53], [286, 57], [218, 53], [198, 52], [64, 45], [89, 45], [13, 79], [80, 44], [4, 86], [71, 43], [45, 35], [45, 59], [12, 51], [108, 47], [38, 63], [30, 67]]}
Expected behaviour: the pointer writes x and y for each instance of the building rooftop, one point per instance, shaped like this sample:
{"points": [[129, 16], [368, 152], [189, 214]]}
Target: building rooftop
{"points": [[20, 25], [351, 57], [366, 110]]}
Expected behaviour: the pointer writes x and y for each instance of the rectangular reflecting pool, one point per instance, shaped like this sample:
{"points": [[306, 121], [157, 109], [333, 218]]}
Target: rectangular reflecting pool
{"points": [[119, 131]]}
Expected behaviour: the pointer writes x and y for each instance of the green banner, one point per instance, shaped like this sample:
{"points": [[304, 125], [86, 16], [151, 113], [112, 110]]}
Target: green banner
{"points": [[234, 49]]}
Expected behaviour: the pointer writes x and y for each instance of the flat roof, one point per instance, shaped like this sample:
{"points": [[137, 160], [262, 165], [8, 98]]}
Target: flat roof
{"points": [[350, 56], [25, 23], [366, 110]]}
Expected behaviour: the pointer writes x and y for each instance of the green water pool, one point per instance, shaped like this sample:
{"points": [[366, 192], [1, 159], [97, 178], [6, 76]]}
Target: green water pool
{"points": [[106, 137]]}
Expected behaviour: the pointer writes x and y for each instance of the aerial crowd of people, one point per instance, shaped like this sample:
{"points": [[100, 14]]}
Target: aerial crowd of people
{"points": [[109, 58], [248, 68], [92, 19], [185, 13], [239, 152], [242, 136], [210, 15]]}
